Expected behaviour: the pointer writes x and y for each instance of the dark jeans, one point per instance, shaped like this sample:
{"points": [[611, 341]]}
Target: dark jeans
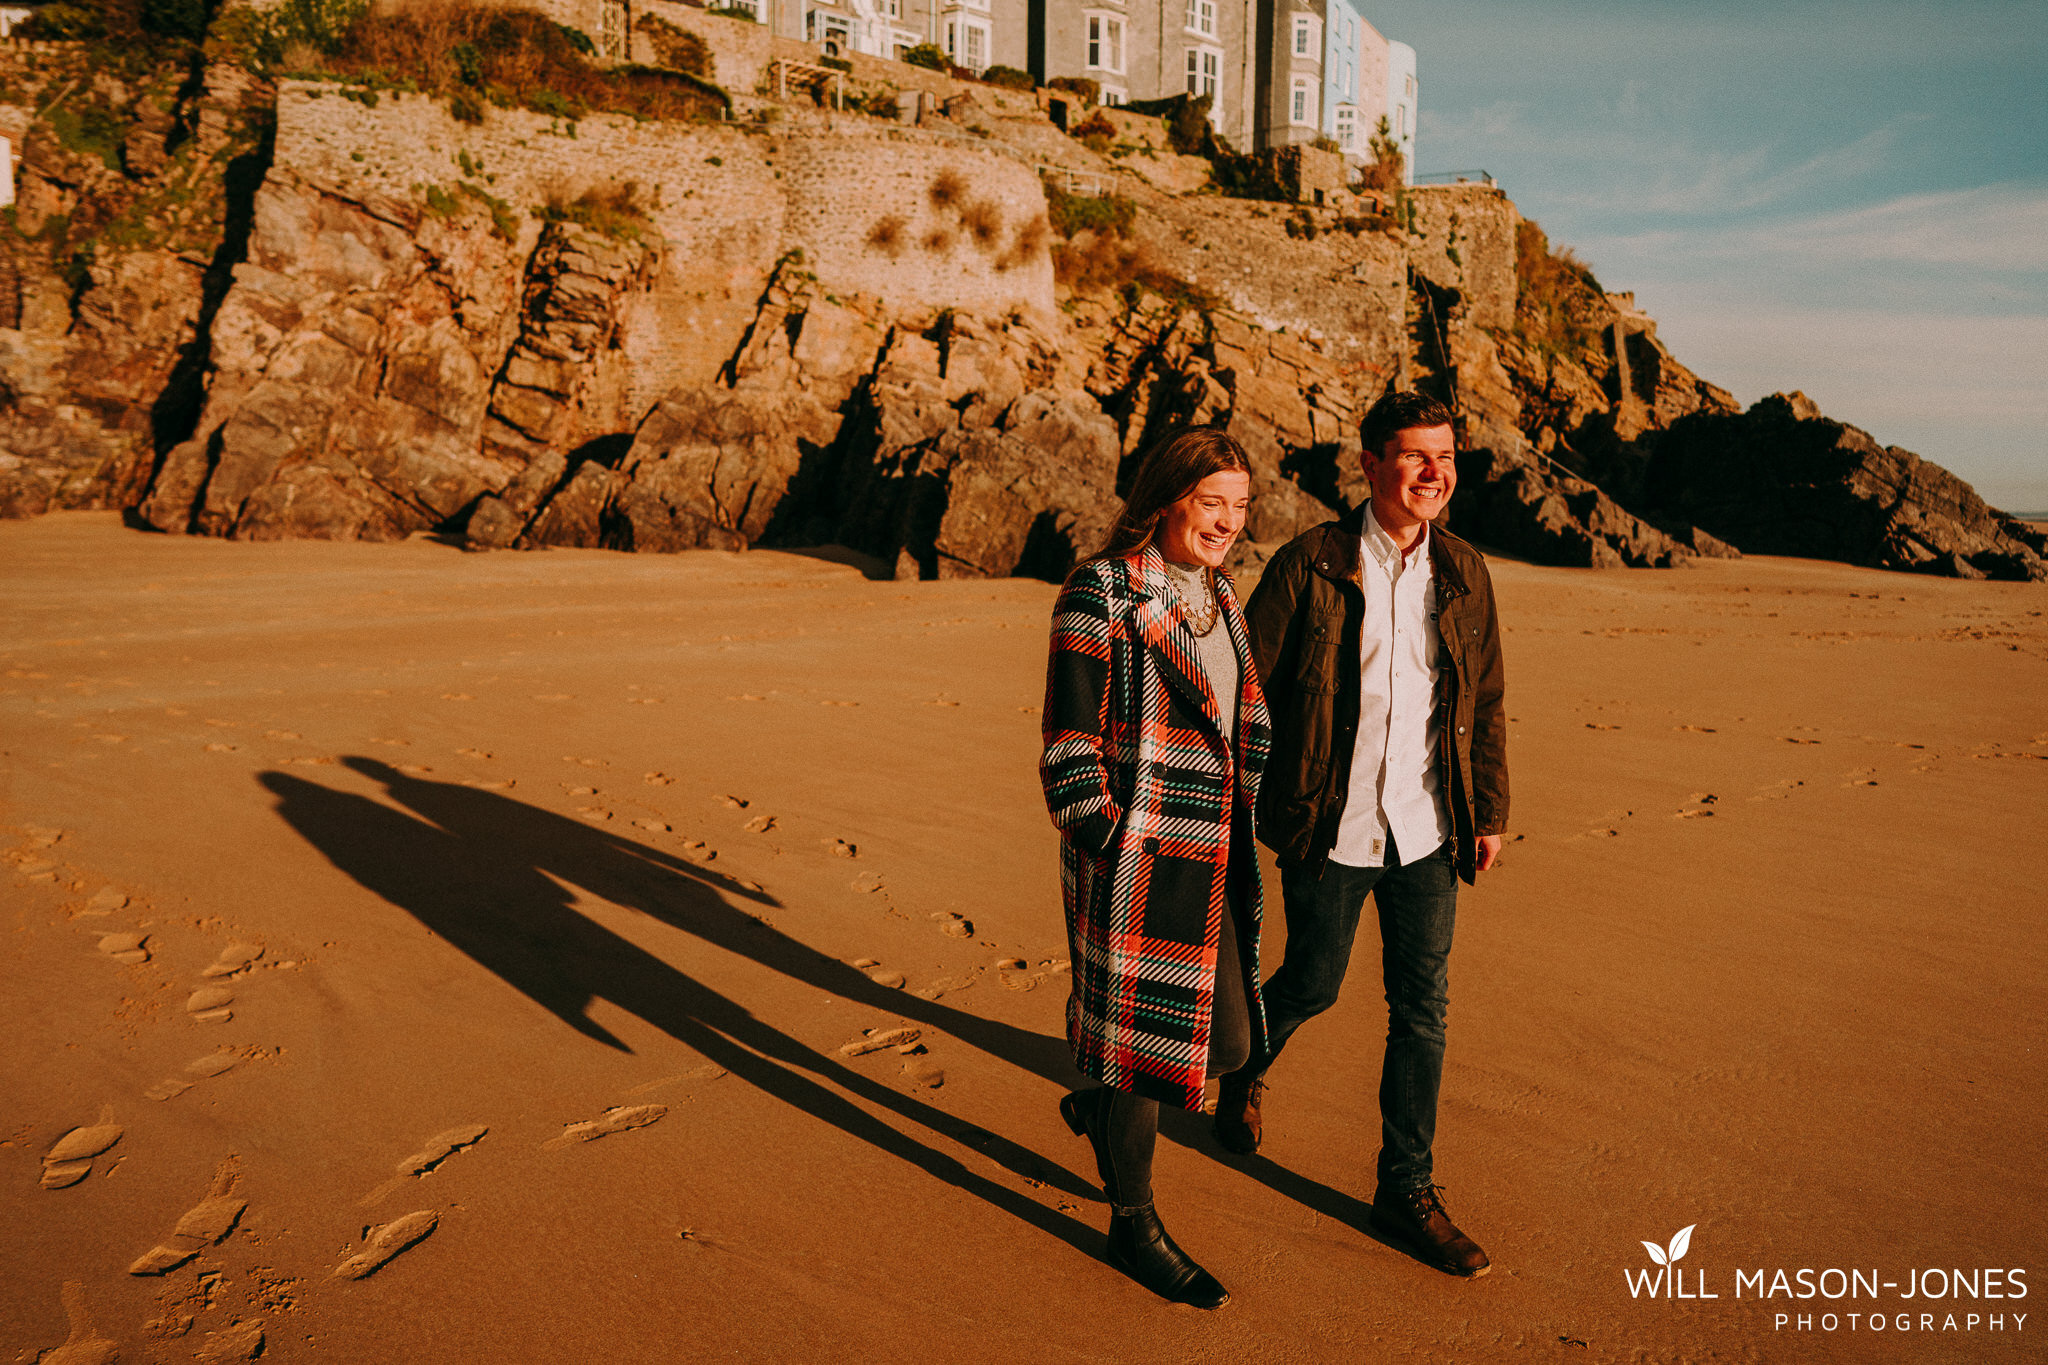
{"points": [[1418, 908]]}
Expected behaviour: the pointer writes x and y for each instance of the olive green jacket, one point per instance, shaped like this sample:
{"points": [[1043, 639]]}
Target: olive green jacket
{"points": [[1305, 618]]}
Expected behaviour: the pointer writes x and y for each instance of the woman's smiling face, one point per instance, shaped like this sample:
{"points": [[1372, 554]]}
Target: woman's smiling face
{"points": [[1201, 527]]}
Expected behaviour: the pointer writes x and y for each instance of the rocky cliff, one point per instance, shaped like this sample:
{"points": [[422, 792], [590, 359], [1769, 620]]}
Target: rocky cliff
{"points": [[310, 310]]}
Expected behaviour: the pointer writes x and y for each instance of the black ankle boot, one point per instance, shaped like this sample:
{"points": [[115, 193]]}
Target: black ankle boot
{"points": [[1140, 1247], [1080, 1108]]}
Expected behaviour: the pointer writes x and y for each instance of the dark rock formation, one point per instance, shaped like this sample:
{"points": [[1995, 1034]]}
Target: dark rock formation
{"points": [[1782, 479]]}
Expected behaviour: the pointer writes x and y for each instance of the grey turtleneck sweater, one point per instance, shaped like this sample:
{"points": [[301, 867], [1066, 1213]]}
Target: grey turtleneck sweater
{"points": [[1217, 653]]}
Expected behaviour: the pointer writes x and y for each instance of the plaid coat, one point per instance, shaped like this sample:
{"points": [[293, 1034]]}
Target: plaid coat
{"points": [[1150, 802]]}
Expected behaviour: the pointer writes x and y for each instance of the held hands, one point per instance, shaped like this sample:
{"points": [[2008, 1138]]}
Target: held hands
{"points": [[1489, 850]]}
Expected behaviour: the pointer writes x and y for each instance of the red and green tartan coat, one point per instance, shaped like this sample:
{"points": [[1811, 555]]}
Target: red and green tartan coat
{"points": [[1150, 801]]}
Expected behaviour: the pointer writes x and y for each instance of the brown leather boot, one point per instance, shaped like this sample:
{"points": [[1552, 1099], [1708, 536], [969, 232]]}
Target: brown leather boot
{"points": [[1417, 1219], [1239, 1126]]}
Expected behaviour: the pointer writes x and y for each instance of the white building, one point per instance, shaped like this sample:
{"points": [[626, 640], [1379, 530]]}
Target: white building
{"points": [[1402, 102]]}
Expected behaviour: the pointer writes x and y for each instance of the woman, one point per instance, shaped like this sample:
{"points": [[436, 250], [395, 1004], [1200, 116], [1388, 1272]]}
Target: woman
{"points": [[1155, 734]]}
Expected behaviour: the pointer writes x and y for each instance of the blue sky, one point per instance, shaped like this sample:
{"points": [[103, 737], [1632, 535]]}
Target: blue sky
{"points": [[1850, 199]]}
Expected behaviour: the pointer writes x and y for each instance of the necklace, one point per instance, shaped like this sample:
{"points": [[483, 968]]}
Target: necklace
{"points": [[1186, 582]]}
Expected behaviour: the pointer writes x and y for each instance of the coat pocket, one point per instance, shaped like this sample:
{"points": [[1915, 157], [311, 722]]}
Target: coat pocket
{"points": [[1318, 669]]}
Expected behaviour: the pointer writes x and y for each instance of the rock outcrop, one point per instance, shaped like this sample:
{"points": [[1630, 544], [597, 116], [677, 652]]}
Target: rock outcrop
{"points": [[131, 196], [1783, 479]]}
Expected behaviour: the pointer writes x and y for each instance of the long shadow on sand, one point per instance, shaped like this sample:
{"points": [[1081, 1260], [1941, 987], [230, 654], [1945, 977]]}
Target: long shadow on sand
{"points": [[478, 868]]}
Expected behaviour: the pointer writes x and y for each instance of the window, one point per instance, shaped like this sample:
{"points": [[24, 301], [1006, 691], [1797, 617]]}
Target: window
{"points": [[1302, 110], [1400, 121], [1347, 127], [1201, 17], [835, 31], [1205, 69], [1411, 87], [611, 29], [1304, 35], [893, 8], [1105, 42], [1114, 98], [967, 43]]}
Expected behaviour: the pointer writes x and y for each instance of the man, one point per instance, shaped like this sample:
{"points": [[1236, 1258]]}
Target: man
{"points": [[1376, 640]]}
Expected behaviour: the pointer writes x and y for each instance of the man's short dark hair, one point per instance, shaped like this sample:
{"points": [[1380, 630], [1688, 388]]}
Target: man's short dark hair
{"points": [[1400, 411]]}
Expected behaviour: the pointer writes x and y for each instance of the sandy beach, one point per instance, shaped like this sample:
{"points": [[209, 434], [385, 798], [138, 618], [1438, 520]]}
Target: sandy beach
{"points": [[661, 959]]}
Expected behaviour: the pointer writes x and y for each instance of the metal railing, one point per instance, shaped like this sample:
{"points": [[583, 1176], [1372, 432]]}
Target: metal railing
{"points": [[1458, 178]]}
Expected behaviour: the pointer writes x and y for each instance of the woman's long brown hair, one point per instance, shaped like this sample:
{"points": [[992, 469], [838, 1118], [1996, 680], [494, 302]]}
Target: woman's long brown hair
{"points": [[1168, 472]]}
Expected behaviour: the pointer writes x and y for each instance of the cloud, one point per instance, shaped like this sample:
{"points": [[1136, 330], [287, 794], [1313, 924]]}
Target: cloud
{"points": [[1984, 248]]}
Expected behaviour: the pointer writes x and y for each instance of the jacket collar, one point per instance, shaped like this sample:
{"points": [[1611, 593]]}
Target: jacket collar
{"points": [[1164, 628], [1337, 557]]}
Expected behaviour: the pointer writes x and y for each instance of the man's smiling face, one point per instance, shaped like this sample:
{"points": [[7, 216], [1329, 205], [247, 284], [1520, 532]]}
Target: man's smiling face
{"points": [[1412, 476]]}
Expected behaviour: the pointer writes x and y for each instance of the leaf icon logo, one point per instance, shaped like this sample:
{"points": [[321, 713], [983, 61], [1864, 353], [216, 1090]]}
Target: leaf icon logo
{"points": [[1681, 1241]]}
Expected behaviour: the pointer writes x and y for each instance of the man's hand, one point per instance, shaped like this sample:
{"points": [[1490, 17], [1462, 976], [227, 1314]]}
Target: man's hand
{"points": [[1489, 850]]}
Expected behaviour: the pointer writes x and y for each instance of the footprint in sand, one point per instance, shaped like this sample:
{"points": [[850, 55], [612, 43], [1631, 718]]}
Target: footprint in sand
{"points": [[481, 784], [760, 824], [205, 1224], [209, 1004], [612, 1121], [710, 1071], [220, 748], [394, 743], [474, 753], [574, 790], [867, 882], [651, 825], [243, 1341], [944, 985], [595, 814], [200, 1069], [1016, 973], [881, 1040], [658, 780], [1793, 739], [839, 848], [385, 1241], [1779, 790], [128, 948], [1697, 729], [953, 926], [735, 802], [1702, 804], [41, 836], [873, 969], [70, 1160], [236, 957], [85, 1346], [1861, 777], [104, 902], [697, 851], [1596, 725], [436, 1150], [414, 769]]}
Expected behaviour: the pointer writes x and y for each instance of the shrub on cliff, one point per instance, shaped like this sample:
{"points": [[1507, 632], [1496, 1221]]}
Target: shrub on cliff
{"points": [[1088, 89], [678, 49], [476, 55], [1009, 77], [1186, 118], [1072, 214], [1548, 284], [927, 55]]}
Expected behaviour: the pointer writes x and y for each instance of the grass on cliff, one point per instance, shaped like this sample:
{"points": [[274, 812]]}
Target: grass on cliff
{"points": [[1097, 255], [1552, 289], [473, 56]]}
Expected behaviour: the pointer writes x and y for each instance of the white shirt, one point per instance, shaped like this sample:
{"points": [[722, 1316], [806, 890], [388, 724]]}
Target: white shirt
{"points": [[1394, 783]]}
